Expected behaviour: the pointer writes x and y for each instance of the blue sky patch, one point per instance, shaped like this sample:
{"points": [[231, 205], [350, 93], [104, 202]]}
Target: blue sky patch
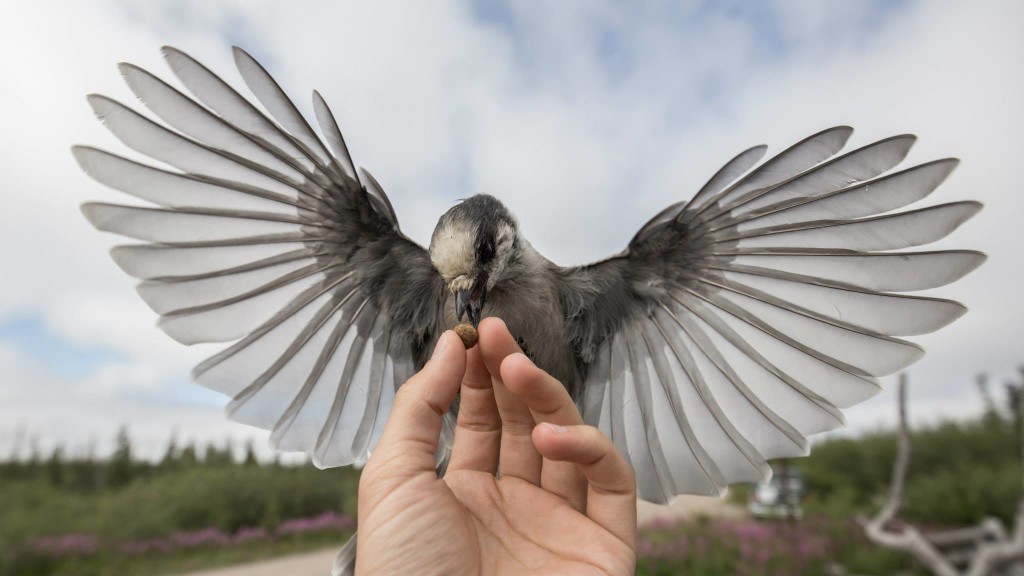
{"points": [[35, 339]]}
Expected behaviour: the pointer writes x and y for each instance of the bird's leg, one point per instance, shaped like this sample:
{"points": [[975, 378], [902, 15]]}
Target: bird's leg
{"points": [[522, 346]]}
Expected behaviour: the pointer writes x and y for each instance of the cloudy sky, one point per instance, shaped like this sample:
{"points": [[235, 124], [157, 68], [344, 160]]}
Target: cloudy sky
{"points": [[585, 117]]}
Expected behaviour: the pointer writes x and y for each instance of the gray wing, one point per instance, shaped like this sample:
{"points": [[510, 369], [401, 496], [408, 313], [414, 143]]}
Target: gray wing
{"points": [[264, 236], [739, 323]]}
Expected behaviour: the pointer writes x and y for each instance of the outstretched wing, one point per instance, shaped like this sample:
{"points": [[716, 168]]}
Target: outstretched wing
{"points": [[761, 307], [265, 236]]}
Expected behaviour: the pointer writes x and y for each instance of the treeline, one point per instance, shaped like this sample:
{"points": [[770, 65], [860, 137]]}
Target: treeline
{"points": [[122, 498], [89, 474], [960, 472]]}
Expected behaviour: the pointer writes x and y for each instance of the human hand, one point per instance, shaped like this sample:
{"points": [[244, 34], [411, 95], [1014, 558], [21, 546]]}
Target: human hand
{"points": [[564, 502]]}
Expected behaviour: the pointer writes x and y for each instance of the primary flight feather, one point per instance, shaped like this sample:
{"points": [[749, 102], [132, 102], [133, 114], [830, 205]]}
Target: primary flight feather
{"points": [[730, 329]]}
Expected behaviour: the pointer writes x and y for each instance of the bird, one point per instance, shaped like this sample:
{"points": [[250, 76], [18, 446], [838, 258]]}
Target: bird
{"points": [[733, 326]]}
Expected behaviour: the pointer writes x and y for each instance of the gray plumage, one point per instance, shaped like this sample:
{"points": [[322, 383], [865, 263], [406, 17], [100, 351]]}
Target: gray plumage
{"points": [[732, 327]]}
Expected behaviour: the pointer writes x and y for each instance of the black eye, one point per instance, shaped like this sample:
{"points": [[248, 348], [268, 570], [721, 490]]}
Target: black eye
{"points": [[486, 251]]}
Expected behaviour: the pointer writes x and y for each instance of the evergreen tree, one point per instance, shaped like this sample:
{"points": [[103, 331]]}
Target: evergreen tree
{"points": [[250, 455], [226, 455], [991, 416], [55, 467], [171, 455], [217, 456], [188, 457], [120, 470], [35, 459], [85, 472], [1013, 399]]}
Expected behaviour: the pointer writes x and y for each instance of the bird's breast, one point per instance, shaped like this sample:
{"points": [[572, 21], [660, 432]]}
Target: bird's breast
{"points": [[540, 322]]}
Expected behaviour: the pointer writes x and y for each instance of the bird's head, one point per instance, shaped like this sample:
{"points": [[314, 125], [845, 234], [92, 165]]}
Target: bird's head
{"points": [[473, 247]]}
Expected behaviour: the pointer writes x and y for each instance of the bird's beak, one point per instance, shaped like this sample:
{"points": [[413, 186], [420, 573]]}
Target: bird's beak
{"points": [[471, 302]]}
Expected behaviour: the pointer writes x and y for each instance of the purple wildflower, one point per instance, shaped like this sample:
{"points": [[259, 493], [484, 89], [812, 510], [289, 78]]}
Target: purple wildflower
{"points": [[67, 545]]}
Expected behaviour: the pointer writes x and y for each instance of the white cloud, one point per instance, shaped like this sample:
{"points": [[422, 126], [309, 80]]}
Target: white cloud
{"points": [[586, 121], [41, 409]]}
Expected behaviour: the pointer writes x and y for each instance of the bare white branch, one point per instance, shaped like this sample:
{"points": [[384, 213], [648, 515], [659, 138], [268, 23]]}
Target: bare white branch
{"points": [[983, 548]]}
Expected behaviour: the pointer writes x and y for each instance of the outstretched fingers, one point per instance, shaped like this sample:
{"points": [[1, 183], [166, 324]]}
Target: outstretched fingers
{"points": [[611, 496]]}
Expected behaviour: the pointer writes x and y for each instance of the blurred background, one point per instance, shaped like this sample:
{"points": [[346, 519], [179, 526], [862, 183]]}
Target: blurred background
{"points": [[586, 118]]}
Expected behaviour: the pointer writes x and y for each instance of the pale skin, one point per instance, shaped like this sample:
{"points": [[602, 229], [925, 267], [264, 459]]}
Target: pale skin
{"points": [[563, 503]]}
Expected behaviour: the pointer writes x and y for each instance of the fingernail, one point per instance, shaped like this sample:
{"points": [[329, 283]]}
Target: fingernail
{"points": [[442, 343], [556, 428]]}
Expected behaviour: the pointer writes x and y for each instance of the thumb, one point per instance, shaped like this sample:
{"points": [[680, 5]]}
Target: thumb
{"points": [[410, 437]]}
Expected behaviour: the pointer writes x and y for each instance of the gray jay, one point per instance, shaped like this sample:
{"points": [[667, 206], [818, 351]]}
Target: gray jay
{"points": [[732, 327]]}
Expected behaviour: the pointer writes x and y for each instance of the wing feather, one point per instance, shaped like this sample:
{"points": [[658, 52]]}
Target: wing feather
{"points": [[726, 175], [175, 190], [897, 272], [298, 428], [220, 97], [892, 232], [837, 173], [769, 434], [335, 441], [728, 457], [186, 116], [149, 138], [375, 387], [891, 314], [329, 126], [861, 199], [166, 262], [617, 402], [281, 108], [165, 296], [867, 351], [628, 430], [642, 377], [263, 401], [189, 225], [794, 160]]}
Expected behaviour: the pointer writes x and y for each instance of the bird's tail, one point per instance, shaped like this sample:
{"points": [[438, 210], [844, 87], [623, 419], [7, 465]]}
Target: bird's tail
{"points": [[345, 561]]}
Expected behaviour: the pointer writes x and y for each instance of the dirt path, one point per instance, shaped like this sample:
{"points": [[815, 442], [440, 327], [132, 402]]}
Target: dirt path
{"points": [[319, 563], [307, 564]]}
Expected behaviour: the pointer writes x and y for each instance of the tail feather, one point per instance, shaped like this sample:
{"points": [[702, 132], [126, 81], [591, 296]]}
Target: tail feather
{"points": [[345, 562]]}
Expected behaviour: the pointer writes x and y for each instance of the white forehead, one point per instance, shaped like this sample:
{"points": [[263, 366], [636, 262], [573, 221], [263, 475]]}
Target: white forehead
{"points": [[452, 250]]}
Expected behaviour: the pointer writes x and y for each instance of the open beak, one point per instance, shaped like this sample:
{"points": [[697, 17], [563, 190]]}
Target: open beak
{"points": [[471, 302]]}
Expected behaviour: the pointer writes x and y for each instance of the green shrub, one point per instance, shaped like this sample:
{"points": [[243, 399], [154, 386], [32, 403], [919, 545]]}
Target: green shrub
{"points": [[959, 473]]}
